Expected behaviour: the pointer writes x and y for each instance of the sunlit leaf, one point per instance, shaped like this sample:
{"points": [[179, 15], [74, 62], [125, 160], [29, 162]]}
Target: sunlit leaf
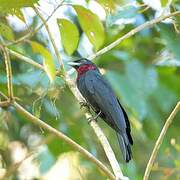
{"points": [[91, 25], [164, 2], [6, 32], [69, 35], [20, 15], [109, 5], [47, 59], [12, 6]]}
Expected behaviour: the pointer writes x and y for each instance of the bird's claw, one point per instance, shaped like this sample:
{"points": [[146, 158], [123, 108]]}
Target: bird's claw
{"points": [[84, 104], [93, 118]]}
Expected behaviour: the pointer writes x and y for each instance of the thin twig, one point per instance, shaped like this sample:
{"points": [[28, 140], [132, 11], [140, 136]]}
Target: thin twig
{"points": [[132, 32], [51, 37], [30, 34], [160, 140], [8, 72], [26, 59], [5, 103], [106, 146], [12, 168]]}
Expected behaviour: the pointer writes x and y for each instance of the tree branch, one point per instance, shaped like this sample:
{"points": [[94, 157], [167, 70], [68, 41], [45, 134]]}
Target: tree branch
{"points": [[132, 32], [8, 72], [40, 123], [26, 59], [160, 140], [104, 142]]}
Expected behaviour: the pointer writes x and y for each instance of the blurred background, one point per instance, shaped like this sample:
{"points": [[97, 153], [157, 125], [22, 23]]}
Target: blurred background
{"points": [[143, 70]]}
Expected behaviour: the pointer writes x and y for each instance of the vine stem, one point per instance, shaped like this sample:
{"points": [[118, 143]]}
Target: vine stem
{"points": [[160, 140]]}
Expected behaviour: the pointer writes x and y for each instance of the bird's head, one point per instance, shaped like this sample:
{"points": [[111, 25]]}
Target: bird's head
{"points": [[82, 65]]}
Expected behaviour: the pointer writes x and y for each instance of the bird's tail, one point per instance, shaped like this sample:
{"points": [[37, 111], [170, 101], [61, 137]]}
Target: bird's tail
{"points": [[125, 146]]}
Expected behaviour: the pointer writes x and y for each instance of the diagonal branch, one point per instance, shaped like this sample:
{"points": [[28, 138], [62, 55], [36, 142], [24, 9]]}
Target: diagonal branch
{"points": [[51, 38], [40, 123], [132, 32], [160, 140], [26, 59]]}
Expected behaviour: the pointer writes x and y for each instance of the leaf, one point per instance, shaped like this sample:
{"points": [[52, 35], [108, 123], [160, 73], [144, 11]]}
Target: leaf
{"points": [[12, 6], [91, 25], [6, 32], [109, 5], [69, 35], [47, 59], [164, 2], [20, 15], [171, 38]]}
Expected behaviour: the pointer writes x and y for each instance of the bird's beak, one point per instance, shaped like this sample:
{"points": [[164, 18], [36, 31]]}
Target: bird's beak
{"points": [[74, 64]]}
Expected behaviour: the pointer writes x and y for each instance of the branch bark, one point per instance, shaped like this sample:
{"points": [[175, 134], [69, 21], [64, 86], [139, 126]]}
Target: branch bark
{"points": [[132, 32], [160, 140], [40, 123], [26, 59]]}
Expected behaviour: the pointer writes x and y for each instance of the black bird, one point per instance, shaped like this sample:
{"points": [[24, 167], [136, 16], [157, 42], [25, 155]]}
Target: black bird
{"points": [[103, 101]]}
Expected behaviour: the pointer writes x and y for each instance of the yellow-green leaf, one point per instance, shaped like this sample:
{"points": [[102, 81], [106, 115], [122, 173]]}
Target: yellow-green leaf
{"points": [[91, 25], [69, 35], [109, 5], [47, 59], [19, 15], [11, 6], [6, 32]]}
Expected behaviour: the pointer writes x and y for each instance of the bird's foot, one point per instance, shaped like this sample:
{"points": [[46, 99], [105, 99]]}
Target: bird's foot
{"points": [[94, 118], [84, 104]]}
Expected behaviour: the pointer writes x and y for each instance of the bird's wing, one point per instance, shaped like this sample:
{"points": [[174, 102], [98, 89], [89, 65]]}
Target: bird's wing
{"points": [[100, 92]]}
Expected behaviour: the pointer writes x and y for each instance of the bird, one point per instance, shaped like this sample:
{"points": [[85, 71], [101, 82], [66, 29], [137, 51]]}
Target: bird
{"points": [[101, 98]]}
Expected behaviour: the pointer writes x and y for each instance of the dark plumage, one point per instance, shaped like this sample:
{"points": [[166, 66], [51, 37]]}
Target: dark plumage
{"points": [[99, 94]]}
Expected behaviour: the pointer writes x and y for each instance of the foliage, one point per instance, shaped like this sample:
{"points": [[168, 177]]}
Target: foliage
{"points": [[143, 70]]}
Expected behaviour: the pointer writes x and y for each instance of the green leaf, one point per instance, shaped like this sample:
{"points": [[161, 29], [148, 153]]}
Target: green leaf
{"points": [[6, 32], [12, 6], [109, 5], [171, 38], [164, 2], [91, 25], [47, 59], [20, 15], [69, 35]]}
